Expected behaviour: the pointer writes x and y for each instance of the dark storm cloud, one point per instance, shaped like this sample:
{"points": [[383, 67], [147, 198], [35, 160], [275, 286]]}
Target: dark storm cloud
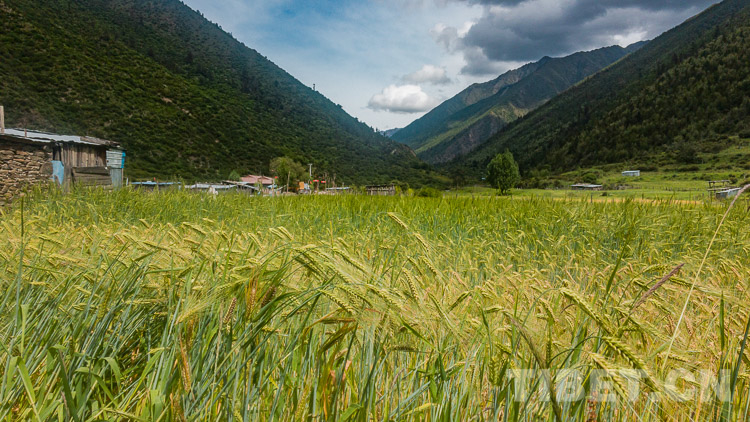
{"points": [[526, 30]]}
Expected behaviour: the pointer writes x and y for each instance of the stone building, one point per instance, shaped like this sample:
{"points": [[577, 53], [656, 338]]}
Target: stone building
{"points": [[28, 158], [21, 164]]}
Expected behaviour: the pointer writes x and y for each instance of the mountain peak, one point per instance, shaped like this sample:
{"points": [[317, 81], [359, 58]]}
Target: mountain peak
{"points": [[467, 120], [685, 90]]}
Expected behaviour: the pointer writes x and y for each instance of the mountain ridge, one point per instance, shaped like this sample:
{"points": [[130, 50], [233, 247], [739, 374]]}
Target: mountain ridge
{"points": [[185, 98], [686, 89], [465, 121]]}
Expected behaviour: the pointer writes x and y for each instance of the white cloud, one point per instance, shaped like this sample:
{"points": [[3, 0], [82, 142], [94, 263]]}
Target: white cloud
{"points": [[402, 99], [473, 40], [428, 74], [624, 40]]}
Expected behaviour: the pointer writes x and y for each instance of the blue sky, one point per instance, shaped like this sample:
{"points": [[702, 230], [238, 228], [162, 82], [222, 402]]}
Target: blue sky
{"points": [[387, 62]]}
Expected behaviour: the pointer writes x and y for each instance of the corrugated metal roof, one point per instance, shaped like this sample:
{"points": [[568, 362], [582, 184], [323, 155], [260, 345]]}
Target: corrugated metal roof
{"points": [[149, 183], [35, 136], [209, 185], [253, 179]]}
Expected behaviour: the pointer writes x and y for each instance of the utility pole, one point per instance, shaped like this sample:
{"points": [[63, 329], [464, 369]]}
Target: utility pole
{"points": [[2, 119], [310, 170]]}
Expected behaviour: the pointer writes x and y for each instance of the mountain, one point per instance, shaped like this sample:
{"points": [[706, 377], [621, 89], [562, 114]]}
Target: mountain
{"points": [[464, 122], [184, 97], [686, 91]]}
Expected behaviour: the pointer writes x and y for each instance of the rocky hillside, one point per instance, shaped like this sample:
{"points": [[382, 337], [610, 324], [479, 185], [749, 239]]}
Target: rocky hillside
{"points": [[466, 121]]}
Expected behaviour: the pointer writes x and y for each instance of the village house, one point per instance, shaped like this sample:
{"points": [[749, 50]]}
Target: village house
{"points": [[586, 186], [265, 181], [381, 190], [213, 188], [262, 184], [154, 185], [30, 157]]}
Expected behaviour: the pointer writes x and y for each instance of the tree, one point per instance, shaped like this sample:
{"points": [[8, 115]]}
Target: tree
{"points": [[687, 153], [503, 172], [287, 170], [234, 176], [459, 177]]}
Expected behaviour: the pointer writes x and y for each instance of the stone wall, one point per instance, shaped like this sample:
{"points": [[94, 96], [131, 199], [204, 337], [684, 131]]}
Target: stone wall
{"points": [[22, 165]]}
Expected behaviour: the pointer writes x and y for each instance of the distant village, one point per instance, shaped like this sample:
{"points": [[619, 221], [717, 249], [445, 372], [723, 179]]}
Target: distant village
{"points": [[266, 186], [32, 157]]}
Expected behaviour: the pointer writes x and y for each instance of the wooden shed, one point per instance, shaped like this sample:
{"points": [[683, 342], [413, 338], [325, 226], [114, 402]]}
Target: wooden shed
{"points": [[71, 159], [381, 190], [586, 186]]}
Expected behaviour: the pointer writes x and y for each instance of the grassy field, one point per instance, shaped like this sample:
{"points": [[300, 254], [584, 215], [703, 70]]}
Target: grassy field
{"points": [[660, 177], [647, 194], [670, 183], [176, 306]]}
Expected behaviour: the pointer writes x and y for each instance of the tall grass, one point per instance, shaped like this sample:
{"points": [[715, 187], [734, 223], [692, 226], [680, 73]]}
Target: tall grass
{"points": [[173, 306]]}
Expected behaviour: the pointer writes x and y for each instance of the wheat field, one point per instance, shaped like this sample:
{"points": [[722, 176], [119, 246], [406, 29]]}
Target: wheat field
{"points": [[170, 306]]}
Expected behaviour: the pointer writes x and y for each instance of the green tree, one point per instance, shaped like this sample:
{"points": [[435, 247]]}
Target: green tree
{"points": [[503, 172], [287, 170], [234, 176], [686, 153]]}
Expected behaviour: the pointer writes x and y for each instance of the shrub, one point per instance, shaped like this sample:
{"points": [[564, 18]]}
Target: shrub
{"points": [[429, 193], [590, 176], [687, 153]]}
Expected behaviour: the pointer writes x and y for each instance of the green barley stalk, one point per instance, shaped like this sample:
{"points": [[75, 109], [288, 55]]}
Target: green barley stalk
{"points": [[697, 274]]}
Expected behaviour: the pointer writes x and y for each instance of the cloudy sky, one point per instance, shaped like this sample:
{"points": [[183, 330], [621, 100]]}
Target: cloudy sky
{"points": [[387, 62]]}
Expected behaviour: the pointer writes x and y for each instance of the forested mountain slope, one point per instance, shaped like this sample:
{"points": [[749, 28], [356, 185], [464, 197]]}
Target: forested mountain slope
{"points": [[689, 89], [420, 130], [467, 120], [184, 97]]}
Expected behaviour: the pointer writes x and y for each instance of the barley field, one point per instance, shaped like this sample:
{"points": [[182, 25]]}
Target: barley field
{"points": [[172, 306]]}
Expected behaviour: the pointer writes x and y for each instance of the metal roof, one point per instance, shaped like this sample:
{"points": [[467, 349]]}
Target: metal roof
{"points": [[44, 137], [149, 183], [210, 185], [728, 193], [254, 179]]}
